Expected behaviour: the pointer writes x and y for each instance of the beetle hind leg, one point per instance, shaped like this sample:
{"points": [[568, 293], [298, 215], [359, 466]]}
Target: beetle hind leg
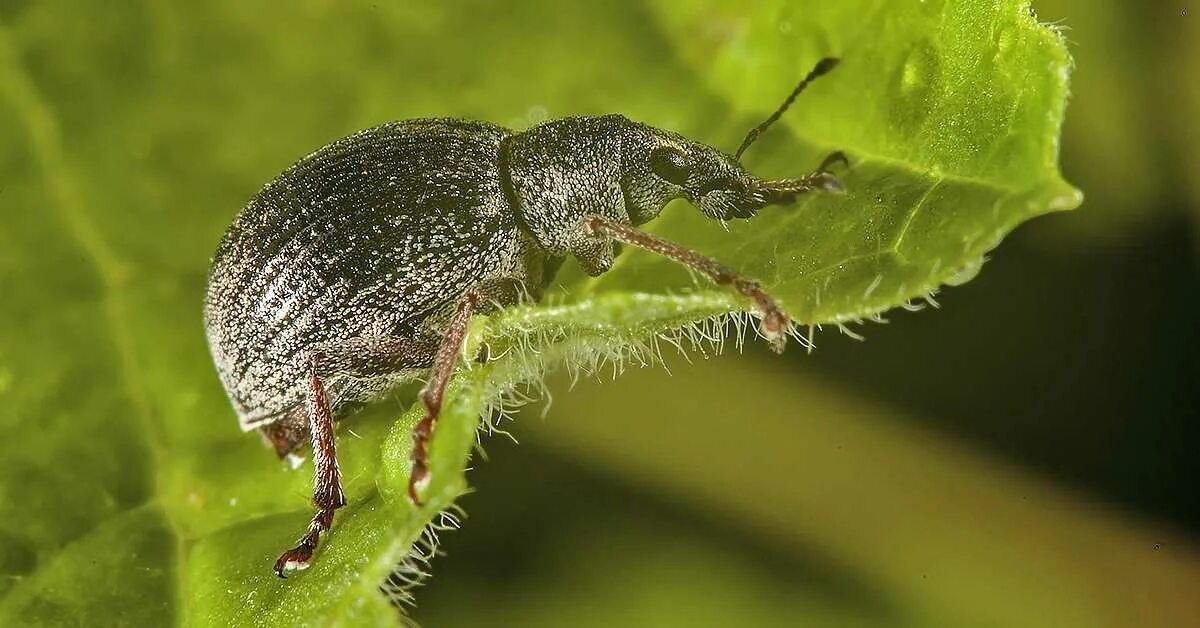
{"points": [[327, 486], [356, 357], [288, 433]]}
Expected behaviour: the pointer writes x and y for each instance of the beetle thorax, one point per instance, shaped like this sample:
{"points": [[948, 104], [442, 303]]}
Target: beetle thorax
{"points": [[562, 171]]}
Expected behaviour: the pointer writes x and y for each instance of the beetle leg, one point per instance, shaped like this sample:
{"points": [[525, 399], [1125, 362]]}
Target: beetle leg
{"points": [[431, 395], [289, 432], [785, 191], [836, 157], [359, 357], [327, 487], [363, 356], [774, 323]]}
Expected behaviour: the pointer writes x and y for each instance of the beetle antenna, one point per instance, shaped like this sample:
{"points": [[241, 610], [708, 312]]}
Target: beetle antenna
{"points": [[823, 66]]}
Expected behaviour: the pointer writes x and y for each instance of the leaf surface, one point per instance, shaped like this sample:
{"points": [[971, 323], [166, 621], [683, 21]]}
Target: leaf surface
{"points": [[135, 131]]}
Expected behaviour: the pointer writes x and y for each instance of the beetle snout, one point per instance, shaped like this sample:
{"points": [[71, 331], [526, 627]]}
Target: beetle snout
{"points": [[727, 204]]}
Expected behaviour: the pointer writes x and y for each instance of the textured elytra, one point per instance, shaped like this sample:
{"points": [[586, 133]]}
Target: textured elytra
{"points": [[361, 239]]}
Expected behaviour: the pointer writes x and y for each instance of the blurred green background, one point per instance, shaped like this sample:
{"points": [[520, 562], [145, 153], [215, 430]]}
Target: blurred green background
{"points": [[1024, 455]]}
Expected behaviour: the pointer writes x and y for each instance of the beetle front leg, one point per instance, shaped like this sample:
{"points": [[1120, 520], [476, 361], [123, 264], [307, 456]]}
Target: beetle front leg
{"points": [[785, 191], [774, 323], [836, 157], [431, 395]]}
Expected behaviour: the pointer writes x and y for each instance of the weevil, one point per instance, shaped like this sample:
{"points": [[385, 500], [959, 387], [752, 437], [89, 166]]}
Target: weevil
{"points": [[360, 265]]}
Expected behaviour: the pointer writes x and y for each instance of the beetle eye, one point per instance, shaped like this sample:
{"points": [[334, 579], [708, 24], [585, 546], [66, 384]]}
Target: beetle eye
{"points": [[670, 164]]}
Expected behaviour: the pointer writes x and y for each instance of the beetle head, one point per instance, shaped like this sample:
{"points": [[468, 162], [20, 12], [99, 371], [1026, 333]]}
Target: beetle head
{"points": [[718, 185], [709, 179], [667, 165]]}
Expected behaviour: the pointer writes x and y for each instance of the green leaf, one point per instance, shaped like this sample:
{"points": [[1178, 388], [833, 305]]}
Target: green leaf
{"points": [[950, 113], [126, 491]]}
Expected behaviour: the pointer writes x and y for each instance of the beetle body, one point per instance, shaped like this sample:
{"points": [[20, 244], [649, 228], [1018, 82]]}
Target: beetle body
{"points": [[377, 233], [362, 263]]}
